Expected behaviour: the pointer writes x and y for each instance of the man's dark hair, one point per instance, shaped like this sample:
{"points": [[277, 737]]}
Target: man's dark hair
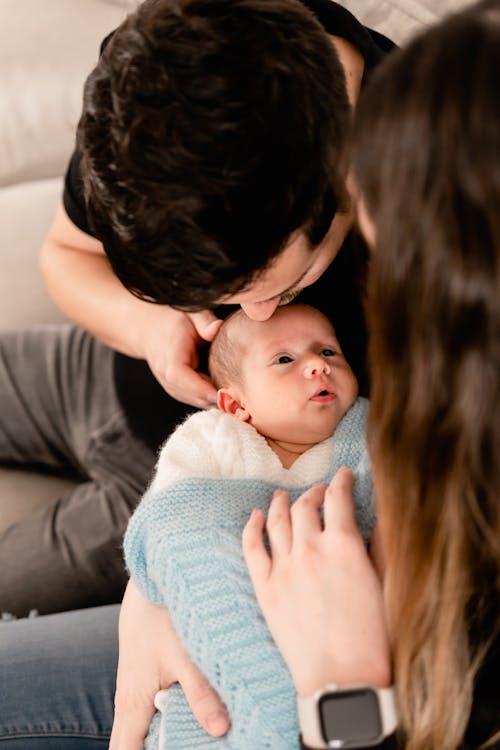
{"points": [[211, 130]]}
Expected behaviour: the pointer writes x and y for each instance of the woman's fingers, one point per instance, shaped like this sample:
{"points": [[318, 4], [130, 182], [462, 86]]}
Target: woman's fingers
{"points": [[338, 511], [306, 512], [279, 533], [278, 525], [255, 554], [204, 701], [131, 722], [284, 525]]}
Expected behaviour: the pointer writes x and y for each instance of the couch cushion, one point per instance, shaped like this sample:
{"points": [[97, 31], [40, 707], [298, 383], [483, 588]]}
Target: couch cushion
{"points": [[400, 19], [47, 49]]}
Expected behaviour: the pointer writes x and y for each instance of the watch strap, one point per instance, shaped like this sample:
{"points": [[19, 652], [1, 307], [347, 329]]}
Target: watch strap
{"points": [[309, 718]]}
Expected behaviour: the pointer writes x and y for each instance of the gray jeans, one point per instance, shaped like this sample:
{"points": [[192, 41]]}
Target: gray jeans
{"points": [[59, 410]]}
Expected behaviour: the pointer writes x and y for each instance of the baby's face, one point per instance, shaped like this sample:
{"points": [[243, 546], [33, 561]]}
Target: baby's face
{"points": [[296, 383]]}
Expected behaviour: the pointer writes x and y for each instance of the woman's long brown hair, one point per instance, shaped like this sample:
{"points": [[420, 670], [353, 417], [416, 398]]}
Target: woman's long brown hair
{"points": [[426, 157]]}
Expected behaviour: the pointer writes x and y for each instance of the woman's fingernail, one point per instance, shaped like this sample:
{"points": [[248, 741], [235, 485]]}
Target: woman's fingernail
{"points": [[217, 723]]}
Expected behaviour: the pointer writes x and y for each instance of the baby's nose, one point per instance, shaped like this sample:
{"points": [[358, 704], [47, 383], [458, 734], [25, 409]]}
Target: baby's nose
{"points": [[315, 367]]}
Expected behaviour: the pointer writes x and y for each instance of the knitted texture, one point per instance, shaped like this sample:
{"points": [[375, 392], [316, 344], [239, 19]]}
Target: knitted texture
{"points": [[183, 549]]}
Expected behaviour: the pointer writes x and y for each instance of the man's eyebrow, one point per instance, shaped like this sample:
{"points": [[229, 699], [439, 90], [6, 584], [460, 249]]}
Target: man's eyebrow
{"points": [[289, 288]]}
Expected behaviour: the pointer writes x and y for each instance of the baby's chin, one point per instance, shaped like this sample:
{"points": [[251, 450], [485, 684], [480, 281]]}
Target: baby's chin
{"points": [[323, 429]]}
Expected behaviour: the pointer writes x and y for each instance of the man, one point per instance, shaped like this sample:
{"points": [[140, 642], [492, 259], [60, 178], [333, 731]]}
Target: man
{"points": [[210, 147]]}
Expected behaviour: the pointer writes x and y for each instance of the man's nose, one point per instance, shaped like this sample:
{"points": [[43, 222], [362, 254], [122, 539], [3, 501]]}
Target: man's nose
{"points": [[316, 366], [260, 310]]}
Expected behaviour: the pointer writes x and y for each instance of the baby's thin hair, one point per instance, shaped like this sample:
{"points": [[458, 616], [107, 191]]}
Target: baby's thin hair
{"points": [[224, 359]]}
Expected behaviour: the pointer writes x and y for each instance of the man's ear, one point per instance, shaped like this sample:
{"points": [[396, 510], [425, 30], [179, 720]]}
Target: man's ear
{"points": [[229, 402]]}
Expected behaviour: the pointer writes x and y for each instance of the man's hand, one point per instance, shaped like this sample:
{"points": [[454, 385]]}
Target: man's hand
{"points": [[319, 592], [171, 350], [81, 282], [152, 658]]}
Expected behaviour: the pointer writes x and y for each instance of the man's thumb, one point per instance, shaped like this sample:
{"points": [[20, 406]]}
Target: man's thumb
{"points": [[206, 324]]}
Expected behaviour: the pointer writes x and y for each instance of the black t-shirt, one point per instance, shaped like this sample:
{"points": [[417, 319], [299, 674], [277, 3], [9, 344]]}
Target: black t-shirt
{"points": [[151, 412]]}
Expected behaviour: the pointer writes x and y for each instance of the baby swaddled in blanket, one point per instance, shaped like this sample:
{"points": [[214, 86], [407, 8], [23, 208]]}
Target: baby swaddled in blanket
{"points": [[288, 418]]}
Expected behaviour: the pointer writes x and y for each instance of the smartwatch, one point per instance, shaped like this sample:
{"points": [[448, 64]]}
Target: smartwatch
{"points": [[341, 716]]}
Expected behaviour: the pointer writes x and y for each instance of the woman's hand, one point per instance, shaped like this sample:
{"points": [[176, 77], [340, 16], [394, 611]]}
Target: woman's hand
{"points": [[318, 591], [152, 658]]}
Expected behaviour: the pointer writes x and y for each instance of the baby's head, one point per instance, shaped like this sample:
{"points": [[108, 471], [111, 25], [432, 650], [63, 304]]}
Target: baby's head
{"points": [[286, 376]]}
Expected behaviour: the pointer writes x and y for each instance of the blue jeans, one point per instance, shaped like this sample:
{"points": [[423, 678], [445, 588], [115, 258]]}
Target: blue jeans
{"points": [[57, 680]]}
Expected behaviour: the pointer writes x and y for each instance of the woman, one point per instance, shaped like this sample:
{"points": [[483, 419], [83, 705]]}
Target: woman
{"points": [[426, 152]]}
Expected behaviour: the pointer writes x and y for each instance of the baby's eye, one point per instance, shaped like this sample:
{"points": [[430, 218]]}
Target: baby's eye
{"points": [[328, 352], [283, 359]]}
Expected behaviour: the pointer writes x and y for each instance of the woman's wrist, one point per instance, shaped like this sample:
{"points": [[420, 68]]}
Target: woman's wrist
{"points": [[356, 716], [376, 672]]}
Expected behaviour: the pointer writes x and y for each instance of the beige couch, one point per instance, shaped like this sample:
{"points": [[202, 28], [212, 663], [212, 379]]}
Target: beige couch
{"points": [[47, 48]]}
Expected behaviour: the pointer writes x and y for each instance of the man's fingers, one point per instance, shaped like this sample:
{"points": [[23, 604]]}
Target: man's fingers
{"points": [[197, 389], [206, 390], [254, 551], [206, 324], [205, 703], [339, 502]]}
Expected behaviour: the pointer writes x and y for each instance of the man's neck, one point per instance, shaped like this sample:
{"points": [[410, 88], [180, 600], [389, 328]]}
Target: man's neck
{"points": [[354, 65]]}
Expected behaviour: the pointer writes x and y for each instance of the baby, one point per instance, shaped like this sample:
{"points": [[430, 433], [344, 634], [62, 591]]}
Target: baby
{"points": [[288, 416]]}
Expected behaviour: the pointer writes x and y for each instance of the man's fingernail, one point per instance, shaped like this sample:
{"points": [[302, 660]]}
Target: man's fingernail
{"points": [[217, 723]]}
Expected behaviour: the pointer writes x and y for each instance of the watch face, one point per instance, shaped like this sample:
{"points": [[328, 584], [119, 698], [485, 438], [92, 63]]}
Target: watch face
{"points": [[350, 718]]}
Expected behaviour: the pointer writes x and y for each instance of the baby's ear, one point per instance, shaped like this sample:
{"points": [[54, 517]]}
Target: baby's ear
{"points": [[229, 402]]}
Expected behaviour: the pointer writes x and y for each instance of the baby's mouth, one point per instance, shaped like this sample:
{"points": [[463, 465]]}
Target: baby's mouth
{"points": [[323, 395]]}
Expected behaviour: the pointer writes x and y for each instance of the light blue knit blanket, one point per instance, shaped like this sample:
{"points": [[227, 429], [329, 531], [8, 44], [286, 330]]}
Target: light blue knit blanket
{"points": [[183, 549]]}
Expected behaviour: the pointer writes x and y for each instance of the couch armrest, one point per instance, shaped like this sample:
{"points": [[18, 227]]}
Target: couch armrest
{"points": [[26, 211]]}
